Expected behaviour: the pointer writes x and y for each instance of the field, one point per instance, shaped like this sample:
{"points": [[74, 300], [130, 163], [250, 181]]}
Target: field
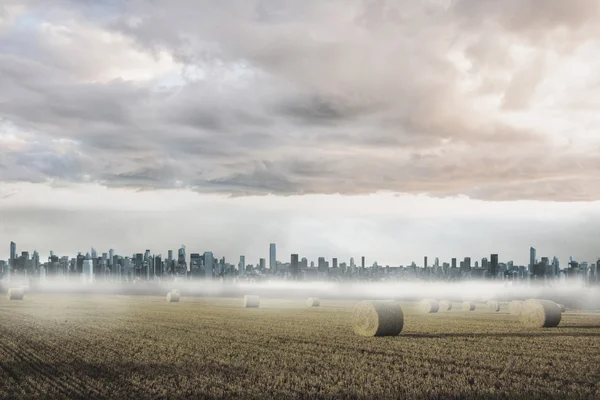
{"points": [[94, 346]]}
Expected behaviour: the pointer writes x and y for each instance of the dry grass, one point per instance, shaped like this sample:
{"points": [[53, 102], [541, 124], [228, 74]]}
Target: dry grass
{"points": [[142, 348]]}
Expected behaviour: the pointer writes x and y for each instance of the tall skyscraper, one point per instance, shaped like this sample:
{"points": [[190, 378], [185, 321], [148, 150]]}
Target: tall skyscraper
{"points": [[111, 256], [531, 258], [262, 263], [13, 254], [425, 262], [94, 253], [334, 263], [208, 265], [242, 266], [272, 258], [493, 268], [295, 266], [454, 263], [362, 262]]}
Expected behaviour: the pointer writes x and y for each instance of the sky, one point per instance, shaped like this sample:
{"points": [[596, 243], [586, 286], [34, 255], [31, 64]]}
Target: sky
{"points": [[389, 129]]}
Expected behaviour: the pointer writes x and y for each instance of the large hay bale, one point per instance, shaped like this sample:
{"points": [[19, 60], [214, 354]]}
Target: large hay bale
{"points": [[251, 301], [313, 302], [173, 297], [377, 318], [15, 294], [493, 305], [562, 307], [514, 307], [445, 305], [429, 306], [540, 314], [468, 306]]}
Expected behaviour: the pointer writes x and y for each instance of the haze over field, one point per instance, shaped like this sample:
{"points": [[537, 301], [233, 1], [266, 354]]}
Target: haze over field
{"points": [[389, 129]]}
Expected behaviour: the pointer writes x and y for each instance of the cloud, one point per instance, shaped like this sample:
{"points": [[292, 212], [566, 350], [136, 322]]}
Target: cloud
{"points": [[258, 97]]}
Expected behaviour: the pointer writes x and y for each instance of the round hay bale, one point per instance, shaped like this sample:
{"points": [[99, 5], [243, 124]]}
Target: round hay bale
{"points": [[540, 314], [173, 297], [251, 301], [493, 305], [15, 294], [562, 307], [445, 305], [514, 307], [428, 306], [377, 318], [313, 302], [468, 306]]}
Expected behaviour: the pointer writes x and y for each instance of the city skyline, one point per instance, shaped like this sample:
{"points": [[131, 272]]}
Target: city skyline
{"points": [[304, 125]]}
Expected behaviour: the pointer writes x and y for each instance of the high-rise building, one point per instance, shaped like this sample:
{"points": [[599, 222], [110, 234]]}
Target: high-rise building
{"points": [[242, 266], [94, 254], [334, 263], [493, 268], [454, 263], [362, 262], [262, 264], [208, 265], [272, 258], [13, 255], [531, 258], [170, 255], [111, 256], [295, 267], [425, 262]]}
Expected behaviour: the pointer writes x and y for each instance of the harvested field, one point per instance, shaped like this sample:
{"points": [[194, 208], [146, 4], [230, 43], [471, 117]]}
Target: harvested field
{"points": [[72, 346]]}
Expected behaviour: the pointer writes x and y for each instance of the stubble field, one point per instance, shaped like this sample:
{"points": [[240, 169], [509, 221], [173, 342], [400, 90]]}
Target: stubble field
{"points": [[93, 346]]}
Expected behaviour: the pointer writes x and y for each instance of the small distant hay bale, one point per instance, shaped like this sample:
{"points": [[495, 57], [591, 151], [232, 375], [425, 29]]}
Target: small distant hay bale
{"points": [[313, 302], [15, 294], [173, 297], [493, 305], [429, 306], [377, 318], [540, 314], [468, 306], [514, 307], [445, 305], [251, 301], [562, 307]]}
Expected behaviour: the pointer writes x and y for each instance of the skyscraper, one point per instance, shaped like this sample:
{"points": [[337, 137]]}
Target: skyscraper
{"points": [[272, 258], [334, 263], [208, 265], [13, 254], [531, 258], [242, 266], [493, 268], [295, 266], [425, 262], [94, 253], [362, 262], [262, 263], [454, 263], [111, 256]]}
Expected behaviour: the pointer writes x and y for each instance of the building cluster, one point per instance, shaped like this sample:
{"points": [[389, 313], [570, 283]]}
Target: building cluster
{"points": [[109, 266]]}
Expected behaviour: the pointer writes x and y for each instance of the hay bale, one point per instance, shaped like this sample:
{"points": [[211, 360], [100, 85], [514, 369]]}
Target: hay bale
{"points": [[313, 302], [251, 301], [173, 297], [445, 305], [540, 314], [562, 307], [514, 307], [429, 306], [15, 294], [377, 318], [468, 306], [493, 305]]}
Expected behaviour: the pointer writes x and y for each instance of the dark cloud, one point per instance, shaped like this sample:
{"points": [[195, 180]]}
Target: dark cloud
{"points": [[291, 97]]}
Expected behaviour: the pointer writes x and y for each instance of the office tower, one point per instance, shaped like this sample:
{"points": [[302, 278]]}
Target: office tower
{"points": [[13, 257], [295, 266], [321, 264], [94, 254], [334, 262], [111, 256], [208, 265], [170, 255], [531, 258], [272, 258], [425, 262], [493, 268], [304, 263], [362, 262], [352, 261], [454, 263], [181, 262], [158, 266], [242, 266], [262, 263]]}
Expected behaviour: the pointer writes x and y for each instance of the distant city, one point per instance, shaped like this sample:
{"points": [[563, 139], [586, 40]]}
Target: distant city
{"points": [[111, 267]]}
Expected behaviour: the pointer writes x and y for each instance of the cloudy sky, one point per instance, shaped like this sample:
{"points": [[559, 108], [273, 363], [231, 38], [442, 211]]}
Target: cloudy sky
{"points": [[390, 129]]}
